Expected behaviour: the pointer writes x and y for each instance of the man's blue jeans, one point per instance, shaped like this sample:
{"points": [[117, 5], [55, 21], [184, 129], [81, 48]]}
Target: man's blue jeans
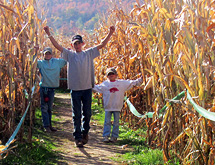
{"points": [[107, 124], [46, 106], [81, 106]]}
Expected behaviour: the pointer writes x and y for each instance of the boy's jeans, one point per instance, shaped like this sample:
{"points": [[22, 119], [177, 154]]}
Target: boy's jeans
{"points": [[46, 107], [81, 101], [107, 124]]}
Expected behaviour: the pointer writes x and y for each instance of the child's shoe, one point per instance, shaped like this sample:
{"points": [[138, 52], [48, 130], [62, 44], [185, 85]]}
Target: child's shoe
{"points": [[106, 139], [113, 139], [85, 138], [79, 143], [53, 129], [47, 129]]}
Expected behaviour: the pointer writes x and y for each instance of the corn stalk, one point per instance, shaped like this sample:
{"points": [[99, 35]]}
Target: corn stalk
{"points": [[19, 33]]}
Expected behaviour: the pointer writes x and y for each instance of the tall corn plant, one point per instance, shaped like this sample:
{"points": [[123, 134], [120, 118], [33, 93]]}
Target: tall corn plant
{"points": [[20, 31], [172, 42]]}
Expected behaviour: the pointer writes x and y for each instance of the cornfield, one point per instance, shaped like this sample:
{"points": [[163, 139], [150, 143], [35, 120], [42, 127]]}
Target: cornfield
{"points": [[170, 43], [20, 31]]}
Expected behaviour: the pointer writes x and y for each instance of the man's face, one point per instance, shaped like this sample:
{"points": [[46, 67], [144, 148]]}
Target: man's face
{"points": [[78, 46], [47, 55]]}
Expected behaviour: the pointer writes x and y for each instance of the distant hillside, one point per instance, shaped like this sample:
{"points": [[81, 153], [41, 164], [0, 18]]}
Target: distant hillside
{"points": [[69, 15]]}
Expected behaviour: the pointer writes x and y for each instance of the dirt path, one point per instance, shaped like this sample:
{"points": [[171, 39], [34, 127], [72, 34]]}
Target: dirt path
{"points": [[94, 152]]}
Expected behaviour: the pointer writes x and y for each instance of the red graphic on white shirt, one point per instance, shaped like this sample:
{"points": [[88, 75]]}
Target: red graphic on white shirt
{"points": [[113, 90]]}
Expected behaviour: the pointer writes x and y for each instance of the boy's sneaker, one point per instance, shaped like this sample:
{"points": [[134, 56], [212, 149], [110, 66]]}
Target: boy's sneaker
{"points": [[113, 139], [47, 129], [106, 139], [85, 138], [79, 143], [53, 129]]}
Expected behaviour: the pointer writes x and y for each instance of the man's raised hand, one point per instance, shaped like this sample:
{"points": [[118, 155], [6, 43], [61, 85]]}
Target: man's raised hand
{"points": [[112, 29], [46, 28]]}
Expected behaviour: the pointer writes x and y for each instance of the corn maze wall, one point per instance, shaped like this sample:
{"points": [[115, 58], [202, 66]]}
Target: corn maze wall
{"points": [[20, 32], [170, 42]]}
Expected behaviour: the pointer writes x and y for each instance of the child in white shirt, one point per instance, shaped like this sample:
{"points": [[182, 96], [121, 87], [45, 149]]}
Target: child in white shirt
{"points": [[113, 91]]}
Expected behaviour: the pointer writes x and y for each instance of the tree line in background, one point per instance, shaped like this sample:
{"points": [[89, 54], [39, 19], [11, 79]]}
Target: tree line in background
{"points": [[69, 16]]}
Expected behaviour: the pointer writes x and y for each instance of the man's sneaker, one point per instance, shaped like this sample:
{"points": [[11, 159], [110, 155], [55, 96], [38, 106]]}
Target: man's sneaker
{"points": [[79, 143], [85, 138], [113, 139], [106, 139], [53, 129], [47, 129]]}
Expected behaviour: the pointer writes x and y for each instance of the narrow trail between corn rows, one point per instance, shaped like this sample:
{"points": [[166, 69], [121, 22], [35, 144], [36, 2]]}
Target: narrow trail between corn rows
{"points": [[94, 152]]}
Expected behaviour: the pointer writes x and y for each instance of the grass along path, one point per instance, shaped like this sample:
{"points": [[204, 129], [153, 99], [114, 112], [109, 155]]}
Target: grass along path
{"points": [[94, 152], [57, 148]]}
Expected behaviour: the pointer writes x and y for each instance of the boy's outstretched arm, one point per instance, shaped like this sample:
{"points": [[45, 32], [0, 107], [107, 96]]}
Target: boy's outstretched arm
{"points": [[99, 88], [53, 41], [136, 82], [105, 41]]}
